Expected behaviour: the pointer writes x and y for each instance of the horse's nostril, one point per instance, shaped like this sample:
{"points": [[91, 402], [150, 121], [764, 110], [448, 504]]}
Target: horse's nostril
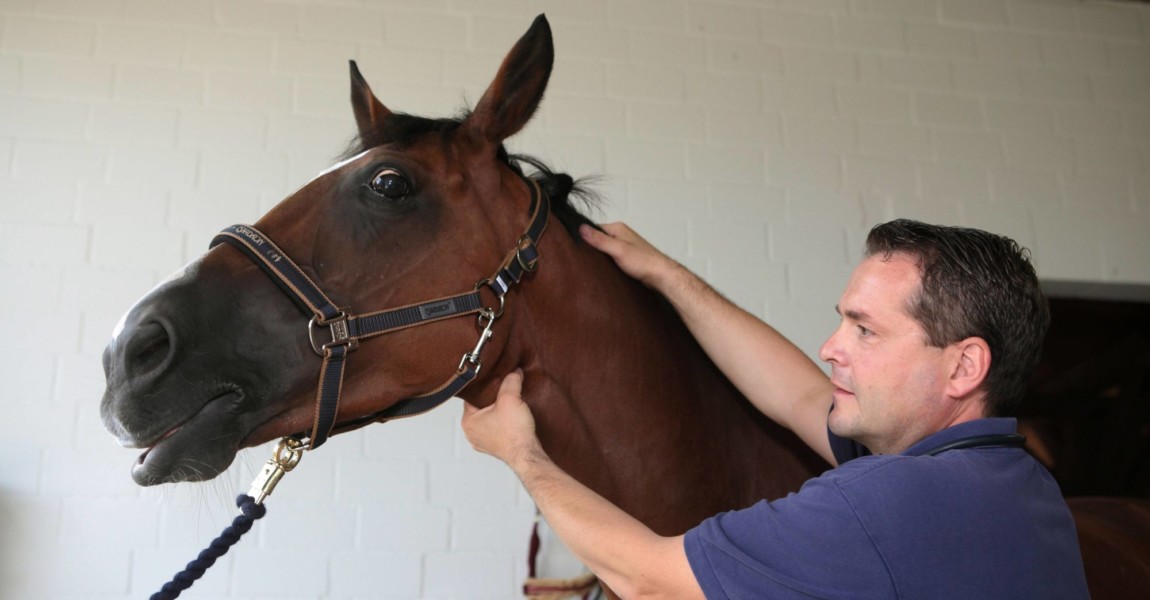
{"points": [[149, 347]]}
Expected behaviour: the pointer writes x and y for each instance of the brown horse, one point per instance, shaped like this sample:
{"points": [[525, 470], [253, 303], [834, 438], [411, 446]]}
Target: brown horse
{"points": [[219, 358]]}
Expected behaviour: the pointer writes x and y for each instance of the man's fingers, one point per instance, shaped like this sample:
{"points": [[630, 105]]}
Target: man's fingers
{"points": [[512, 386]]}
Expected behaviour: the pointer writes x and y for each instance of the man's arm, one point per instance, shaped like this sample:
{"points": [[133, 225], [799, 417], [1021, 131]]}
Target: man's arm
{"points": [[781, 381], [626, 555]]}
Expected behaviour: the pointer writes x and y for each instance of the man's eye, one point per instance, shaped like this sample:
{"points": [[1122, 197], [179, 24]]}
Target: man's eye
{"points": [[863, 331], [390, 184]]}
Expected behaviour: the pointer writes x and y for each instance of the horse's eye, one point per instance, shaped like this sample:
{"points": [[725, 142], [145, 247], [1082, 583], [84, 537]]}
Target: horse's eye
{"points": [[390, 184]]}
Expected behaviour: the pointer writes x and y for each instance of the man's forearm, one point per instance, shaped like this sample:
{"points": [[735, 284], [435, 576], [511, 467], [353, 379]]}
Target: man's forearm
{"points": [[773, 373], [625, 554]]}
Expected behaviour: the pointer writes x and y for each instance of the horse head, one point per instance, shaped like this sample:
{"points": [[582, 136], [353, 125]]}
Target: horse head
{"points": [[218, 357]]}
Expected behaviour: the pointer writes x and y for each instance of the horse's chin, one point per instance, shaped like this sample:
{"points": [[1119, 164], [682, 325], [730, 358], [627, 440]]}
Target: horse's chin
{"points": [[198, 449]]}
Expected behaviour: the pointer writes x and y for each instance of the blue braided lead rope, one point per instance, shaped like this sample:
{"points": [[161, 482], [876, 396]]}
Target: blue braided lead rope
{"points": [[249, 512]]}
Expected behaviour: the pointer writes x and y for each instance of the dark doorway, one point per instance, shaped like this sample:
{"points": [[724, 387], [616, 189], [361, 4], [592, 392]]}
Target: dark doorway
{"points": [[1087, 410]]}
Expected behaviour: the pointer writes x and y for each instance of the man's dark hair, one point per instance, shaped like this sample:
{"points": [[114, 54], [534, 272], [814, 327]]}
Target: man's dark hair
{"points": [[974, 284]]}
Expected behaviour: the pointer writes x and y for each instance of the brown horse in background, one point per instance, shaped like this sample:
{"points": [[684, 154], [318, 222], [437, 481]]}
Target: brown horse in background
{"points": [[217, 358]]}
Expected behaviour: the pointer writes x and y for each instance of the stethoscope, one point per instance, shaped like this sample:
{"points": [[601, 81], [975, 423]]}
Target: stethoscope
{"points": [[979, 441]]}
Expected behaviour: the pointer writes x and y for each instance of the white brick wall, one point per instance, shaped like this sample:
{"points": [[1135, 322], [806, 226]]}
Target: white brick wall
{"points": [[775, 130]]}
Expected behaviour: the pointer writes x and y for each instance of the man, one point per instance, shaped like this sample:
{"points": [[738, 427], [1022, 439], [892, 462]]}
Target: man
{"points": [[940, 328]]}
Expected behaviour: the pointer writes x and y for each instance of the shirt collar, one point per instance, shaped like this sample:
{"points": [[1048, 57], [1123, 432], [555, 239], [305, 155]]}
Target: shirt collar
{"points": [[992, 426]]}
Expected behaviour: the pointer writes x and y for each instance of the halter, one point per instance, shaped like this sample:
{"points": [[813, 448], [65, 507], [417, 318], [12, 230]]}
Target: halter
{"points": [[346, 330]]}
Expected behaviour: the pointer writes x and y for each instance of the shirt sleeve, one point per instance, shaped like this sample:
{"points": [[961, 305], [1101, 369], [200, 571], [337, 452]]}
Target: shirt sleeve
{"points": [[808, 544]]}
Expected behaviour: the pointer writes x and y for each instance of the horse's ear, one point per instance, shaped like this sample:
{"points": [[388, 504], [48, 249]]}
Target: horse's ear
{"points": [[370, 113], [515, 93]]}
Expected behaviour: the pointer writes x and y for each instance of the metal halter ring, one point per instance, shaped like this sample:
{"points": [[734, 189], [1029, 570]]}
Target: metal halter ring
{"points": [[502, 298], [337, 327]]}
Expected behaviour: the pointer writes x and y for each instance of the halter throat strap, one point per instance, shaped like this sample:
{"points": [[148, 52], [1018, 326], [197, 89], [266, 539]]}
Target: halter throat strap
{"points": [[345, 330]]}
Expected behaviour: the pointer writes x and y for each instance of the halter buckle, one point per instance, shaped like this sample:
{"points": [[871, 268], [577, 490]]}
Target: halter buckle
{"points": [[338, 328], [525, 242]]}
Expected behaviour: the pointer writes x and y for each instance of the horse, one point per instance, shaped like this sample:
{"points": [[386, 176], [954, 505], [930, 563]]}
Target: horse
{"points": [[467, 257]]}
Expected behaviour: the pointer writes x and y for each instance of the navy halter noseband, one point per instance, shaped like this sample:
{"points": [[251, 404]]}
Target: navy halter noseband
{"points": [[347, 330]]}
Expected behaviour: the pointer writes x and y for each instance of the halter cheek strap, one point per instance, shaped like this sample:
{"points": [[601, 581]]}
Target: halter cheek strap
{"points": [[346, 330]]}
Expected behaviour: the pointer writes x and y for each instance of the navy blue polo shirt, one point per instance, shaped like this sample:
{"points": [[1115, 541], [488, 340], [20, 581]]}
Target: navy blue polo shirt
{"points": [[986, 522]]}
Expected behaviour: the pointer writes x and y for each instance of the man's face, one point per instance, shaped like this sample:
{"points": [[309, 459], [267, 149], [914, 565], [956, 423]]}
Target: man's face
{"points": [[889, 383]]}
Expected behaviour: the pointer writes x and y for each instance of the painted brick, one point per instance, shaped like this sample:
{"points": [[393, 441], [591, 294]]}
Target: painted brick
{"points": [[471, 70], [820, 64], [497, 528], [831, 6], [949, 110], [1039, 150], [477, 479], [207, 128], [42, 118], [578, 155], [250, 172], [376, 574], [93, 571], [260, 17], [591, 11], [793, 27], [133, 522], [1056, 84], [46, 202], [865, 33], [1043, 16], [739, 56], [9, 74], [926, 210], [577, 76], [6, 157], [914, 9], [400, 481], [1124, 248], [148, 44], [1068, 244], [790, 244], [1121, 90], [35, 35], [1020, 115], [906, 71], [1111, 21], [1098, 193], [815, 132], [956, 183], [108, 247], [590, 115], [596, 43], [822, 285], [940, 40], [267, 92], [1010, 47], [871, 102], [1090, 123], [800, 168], [322, 527], [743, 128], [1012, 221], [317, 58], [797, 96], [992, 79], [162, 85], [25, 244], [826, 206], [469, 574], [296, 573], [1092, 156], [494, 34], [892, 139], [646, 159], [151, 166], [425, 30], [1126, 56], [170, 12], [653, 197], [43, 160], [646, 82], [709, 162], [1026, 187], [67, 77], [678, 49], [968, 146], [978, 12], [650, 120], [379, 65], [718, 90], [123, 123], [342, 23], [757, 202], [724, 20], [1135, 124], [1066, 52], [647, 14], [866, 174], [404, 528]]}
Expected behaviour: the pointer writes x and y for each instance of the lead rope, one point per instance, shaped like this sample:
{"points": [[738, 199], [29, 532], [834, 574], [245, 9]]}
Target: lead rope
{"points": [[287, 455]]}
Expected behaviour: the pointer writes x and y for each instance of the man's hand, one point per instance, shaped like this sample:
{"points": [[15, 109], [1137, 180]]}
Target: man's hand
{"points": [[506, 429], [634, 255]]}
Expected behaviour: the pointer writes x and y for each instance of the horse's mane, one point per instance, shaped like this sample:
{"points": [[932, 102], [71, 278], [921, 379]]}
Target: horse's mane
{"points": [[402, 130]]}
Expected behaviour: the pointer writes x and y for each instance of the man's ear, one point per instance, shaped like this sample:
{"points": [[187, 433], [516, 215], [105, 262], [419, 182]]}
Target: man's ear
{"points": [[969, 368]]}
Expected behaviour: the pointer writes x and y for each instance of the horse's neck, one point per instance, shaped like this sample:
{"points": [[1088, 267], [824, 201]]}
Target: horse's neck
{"points": [[628, 403]]}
